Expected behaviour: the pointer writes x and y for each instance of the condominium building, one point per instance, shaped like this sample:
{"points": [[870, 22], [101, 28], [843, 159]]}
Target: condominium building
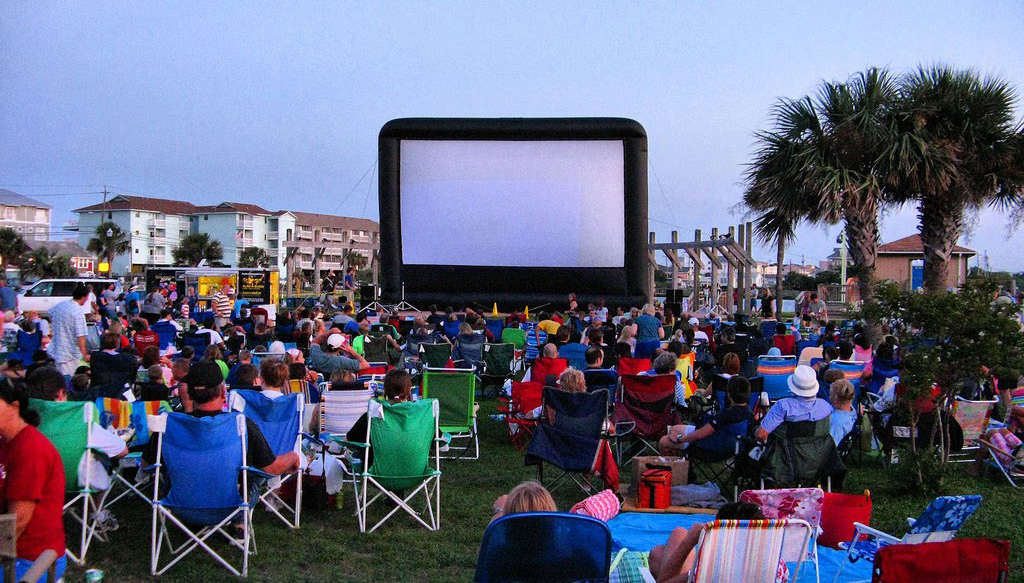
{"points": [[157, 226], [29, 217]]}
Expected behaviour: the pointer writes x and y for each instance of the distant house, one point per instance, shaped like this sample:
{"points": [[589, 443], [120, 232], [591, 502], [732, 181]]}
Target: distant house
{"points": [[902, 261], [83, 261], [30, 218]]}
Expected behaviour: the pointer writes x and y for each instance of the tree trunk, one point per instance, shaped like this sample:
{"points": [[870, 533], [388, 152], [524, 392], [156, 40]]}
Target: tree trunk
{"points": [[780, 259], [941, 222], [861, 217]]}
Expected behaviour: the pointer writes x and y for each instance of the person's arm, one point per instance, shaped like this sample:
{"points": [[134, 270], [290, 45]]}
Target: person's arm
{"points": [[706, 430], [661, 332], [677, 554], [283, 464], [23, 510], [772, 420], [363, 365], [82, 348]]}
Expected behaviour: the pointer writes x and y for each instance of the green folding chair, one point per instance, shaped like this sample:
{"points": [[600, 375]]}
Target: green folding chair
{"points": [[455, 391], [67, 425], [435, 355], [499, 365], [405, 441]]}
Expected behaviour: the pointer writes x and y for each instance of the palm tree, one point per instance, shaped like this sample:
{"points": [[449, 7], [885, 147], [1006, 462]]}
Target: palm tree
{"points": [[109, 242], [956, 149], [42, 263], [355, 259], [195, 248], [819, 165], [12, 247], [253, 257]]}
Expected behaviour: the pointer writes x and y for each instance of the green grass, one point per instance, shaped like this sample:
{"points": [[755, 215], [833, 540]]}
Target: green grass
{"points": [[329, 547]]}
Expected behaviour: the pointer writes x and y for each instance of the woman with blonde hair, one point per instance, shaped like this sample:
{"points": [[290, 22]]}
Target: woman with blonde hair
{"points": [[529, 496], [626, 337], [649, 333], [572, 381]]}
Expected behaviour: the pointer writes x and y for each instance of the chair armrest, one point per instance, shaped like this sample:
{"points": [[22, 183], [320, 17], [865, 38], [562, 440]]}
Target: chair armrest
{"points": [[346, 443], [257, 472], [865, 529], [313, 438], [624, 428]]}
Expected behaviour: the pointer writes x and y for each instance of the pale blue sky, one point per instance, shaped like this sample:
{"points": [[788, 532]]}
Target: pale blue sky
{"points": [[279, 104]]}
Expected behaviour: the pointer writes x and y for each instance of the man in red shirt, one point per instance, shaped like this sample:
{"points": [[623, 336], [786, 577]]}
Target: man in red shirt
{"points": [[31, 481]]}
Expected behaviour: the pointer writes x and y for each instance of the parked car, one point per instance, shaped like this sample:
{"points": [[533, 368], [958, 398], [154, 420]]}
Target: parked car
{"points": [[46, 293]]}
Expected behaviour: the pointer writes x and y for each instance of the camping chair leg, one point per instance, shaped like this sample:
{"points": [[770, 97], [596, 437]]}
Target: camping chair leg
{"points": [[846, 559], [817, 571]]}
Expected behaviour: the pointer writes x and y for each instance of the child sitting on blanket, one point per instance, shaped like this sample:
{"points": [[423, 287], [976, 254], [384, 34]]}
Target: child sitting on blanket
{"points": [[671, 562]]}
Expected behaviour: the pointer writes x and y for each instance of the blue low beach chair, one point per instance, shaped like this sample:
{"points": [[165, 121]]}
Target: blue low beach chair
{"points": [[552, 547], [204, 460]]}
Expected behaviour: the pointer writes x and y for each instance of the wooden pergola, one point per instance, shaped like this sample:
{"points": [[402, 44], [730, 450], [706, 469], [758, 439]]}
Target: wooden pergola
{"points": [[726, 251]]}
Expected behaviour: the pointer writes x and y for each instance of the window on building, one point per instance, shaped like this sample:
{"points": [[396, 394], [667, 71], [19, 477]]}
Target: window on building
{"points": [[137, 215], [110, 216], [206, 217]]}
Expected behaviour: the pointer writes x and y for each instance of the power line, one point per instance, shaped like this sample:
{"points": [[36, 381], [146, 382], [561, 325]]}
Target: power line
{"points": [[369, 183], [50, 185], [372, 166]]}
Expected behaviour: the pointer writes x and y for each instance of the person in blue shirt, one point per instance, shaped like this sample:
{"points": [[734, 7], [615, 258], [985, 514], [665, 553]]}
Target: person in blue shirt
{"points": [[841, 394], [8, 299], [648, 333], [678, 437], [803, 406]]}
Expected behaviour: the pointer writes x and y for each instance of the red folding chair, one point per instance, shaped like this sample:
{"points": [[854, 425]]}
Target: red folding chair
{"points": [[786, 344], [632, 366], [525, 397], [644, 410], [969, 560], [546, 367]]}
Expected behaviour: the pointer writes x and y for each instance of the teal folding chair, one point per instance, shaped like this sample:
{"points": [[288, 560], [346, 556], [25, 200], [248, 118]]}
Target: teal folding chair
{"points": [[455, 391]]}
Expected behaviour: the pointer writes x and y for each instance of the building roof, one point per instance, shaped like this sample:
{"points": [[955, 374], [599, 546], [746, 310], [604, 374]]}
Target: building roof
{"points": [[912, 245], [123, 202], [11, 198], [71, 248], [334, 221], [233, 207]]}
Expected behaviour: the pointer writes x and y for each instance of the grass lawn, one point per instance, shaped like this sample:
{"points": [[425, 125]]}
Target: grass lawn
{"points": [[329, 547]]}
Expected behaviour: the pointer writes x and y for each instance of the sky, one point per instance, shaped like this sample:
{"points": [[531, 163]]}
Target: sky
{"points": [[279, 104]]}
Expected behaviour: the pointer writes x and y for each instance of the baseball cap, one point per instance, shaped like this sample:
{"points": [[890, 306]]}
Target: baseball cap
{"points": [[204, 374], [335, 340], [693, 322], [294, 352]]}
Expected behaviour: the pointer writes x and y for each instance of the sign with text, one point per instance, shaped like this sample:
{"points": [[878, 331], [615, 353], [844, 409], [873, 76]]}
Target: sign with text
{"points": [[254, 286]]}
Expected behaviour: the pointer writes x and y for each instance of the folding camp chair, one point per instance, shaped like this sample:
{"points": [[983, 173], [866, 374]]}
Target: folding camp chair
{"points": [[280, 421], [495, 326], [455, 392], [499, 365], [720, 387], [198, 342], [166, 334], [524, 398], [979, 560], [722, 458], [801, 454], [601, 378], [118, 415], [632, 366], [28, 344], [411, 350], [515, 336], [435, 355], [973, 417], [644, 411], [68, 426], [768, 327], [547, 370], [1005, 462], [204, 459], [853, 371], [342, 404], [405, 439], [469, 351], [569, 436], [534, 341], [553, 547], [801, 503], [786, 343], [575, 353], [375, 349], [744, 551], [939, 522], [776, 371]]}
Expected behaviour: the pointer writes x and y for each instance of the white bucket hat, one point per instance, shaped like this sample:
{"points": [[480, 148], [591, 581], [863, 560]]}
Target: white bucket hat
{"points": [[803, 382]]}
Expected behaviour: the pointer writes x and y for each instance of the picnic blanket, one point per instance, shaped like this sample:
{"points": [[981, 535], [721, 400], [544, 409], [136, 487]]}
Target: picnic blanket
{"points": [[641, 532]]}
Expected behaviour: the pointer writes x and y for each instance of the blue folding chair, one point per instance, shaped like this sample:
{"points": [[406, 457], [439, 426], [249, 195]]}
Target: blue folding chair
{"points": [[776, 371], [552, 547], [28, 344], [280, 422], [575, 353], [852, 371], [469, 349], [166, 332], [495, 325], [768, 328], [204, 459], [198, 342]]}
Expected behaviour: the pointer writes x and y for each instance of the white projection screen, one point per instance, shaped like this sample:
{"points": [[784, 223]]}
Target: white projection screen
{"points": [[514, 211], [567, 197]]}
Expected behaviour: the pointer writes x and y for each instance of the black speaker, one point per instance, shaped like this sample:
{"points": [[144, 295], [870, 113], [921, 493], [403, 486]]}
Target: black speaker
{"points": [[674, 296], [367, 293]]}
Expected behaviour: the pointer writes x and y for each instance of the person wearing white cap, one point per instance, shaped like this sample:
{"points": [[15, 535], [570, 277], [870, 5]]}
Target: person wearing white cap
{"points": [[698, 334], [329, 359], [803, 406]]}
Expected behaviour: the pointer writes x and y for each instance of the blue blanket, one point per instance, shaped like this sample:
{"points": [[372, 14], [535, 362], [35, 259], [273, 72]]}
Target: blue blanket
{"points": [[640, 531]]}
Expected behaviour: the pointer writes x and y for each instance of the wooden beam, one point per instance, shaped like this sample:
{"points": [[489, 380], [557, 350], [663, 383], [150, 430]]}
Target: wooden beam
{"points": [[698, 265], [715, 266], [675, 261], [693, 244]]}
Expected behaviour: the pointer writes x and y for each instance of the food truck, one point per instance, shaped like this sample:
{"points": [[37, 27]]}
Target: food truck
{"points": [[256, 287]]}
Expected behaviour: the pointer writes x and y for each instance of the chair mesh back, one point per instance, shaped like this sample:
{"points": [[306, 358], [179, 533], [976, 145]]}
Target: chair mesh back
{"points": [[278, 419], [470, 347], [547, 547], [776, 371], [375, 349], [166, 333], [514, 336], [632, 366], [435, 355], [543, 368], [202, 458], [455, 393], [64, 424], [526, 396], [575, 353], [648, 401]]}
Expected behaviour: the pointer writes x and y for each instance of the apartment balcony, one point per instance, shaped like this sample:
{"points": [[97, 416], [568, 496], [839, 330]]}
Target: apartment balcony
{"points": [[157, 260], [157, 223], [244, 242], [272, 235], [245, 223]]}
